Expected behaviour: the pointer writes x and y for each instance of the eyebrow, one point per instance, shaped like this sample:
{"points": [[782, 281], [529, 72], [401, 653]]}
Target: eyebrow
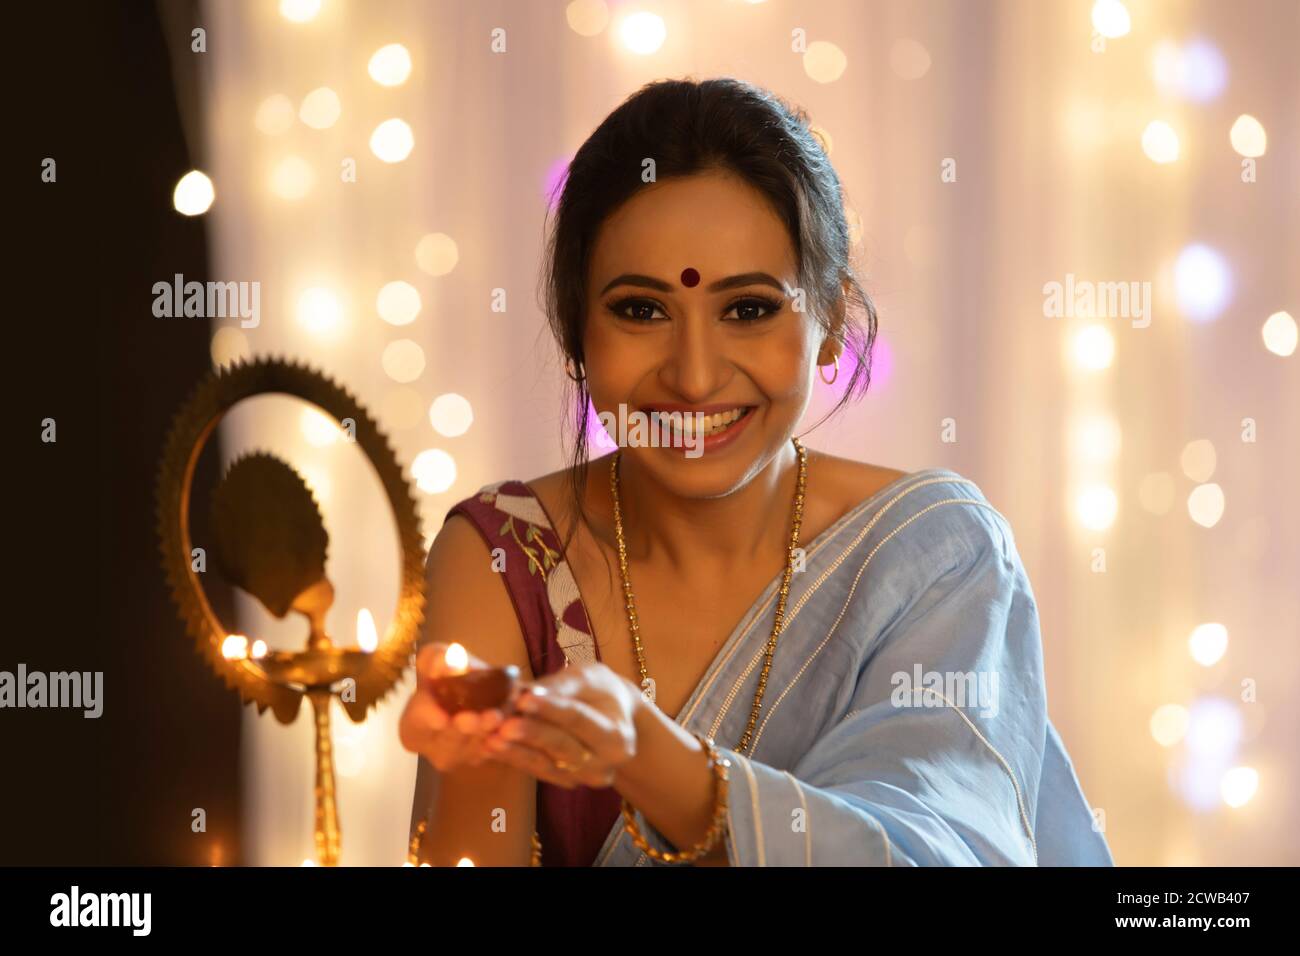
{"points": [[731, 282]]}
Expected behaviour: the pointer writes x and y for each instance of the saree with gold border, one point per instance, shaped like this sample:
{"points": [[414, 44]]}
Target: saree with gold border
{"points": [[905, 720]]}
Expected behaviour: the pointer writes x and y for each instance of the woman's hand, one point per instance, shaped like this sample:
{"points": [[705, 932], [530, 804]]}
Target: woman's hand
{"points": [[447, 741], [577, 727]]}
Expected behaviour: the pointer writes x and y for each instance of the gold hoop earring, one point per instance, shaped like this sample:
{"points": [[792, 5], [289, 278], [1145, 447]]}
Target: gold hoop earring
{"points": [[822, 375]]}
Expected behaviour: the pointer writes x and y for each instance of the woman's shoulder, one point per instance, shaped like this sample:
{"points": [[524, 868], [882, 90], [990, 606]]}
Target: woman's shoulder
{"points": [[935, 518]]}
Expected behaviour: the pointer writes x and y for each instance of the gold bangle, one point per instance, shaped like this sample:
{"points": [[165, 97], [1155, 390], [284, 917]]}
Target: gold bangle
{"points": [[720, 766]]}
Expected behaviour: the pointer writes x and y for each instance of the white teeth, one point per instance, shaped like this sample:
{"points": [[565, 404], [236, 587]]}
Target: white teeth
{"points": [[709, 424]]}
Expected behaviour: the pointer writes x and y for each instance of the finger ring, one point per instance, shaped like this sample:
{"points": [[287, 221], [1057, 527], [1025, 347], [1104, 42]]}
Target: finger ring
{"points": [[566, 766]]}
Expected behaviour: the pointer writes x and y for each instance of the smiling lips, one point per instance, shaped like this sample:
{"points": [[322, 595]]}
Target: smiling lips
{"points": [[716, 418]]}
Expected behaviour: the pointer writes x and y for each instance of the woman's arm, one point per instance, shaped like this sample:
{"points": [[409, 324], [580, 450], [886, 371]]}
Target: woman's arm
{"points": [[671, 784], [486, 813]]}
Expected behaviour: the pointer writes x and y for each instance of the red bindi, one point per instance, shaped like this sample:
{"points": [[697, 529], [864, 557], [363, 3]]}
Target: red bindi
{"points": [[690, 278]]}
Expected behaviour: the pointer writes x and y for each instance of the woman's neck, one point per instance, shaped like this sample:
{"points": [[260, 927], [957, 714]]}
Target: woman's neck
{"points": [[750, 523]]}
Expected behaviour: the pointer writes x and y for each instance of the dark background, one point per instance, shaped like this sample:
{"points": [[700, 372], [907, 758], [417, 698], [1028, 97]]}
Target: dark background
{"points": [[85, 592]]}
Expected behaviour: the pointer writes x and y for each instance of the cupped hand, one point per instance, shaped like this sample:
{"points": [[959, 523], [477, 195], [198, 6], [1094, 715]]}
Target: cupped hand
{"points": [[575, 727], [448, 741]]}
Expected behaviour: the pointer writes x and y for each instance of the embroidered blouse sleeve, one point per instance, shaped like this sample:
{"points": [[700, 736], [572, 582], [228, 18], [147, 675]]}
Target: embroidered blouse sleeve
{"points": [[937, 759]]}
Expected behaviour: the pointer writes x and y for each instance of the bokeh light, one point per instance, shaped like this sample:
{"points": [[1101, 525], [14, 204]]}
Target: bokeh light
{"points": [[587, 17], [1248, 137], [403, 360], [274, 115], [1202, 282], [1239, 785], [1110, 18], [1169, 724], [1094, 348], [320, 312], [390, 65], [299, 11], [398, 303], [1195, 71], [451, 414], [1096, 507], [1205, 505], [642, 33], [320, 108], [292, 178], [1208, 643], [1160, 142], [392, 141], [436, 254], [1279, 333], [434, 471], [824, 62], [193, 194], [229, 345], [1096, 438], [1198, 460]]}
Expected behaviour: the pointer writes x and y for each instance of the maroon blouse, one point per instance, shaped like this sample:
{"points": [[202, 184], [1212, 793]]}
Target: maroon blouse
{"points": [[571, 824]]}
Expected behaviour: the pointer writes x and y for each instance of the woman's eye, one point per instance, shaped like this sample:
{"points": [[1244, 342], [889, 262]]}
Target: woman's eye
{"points": [[641, 310], [753, 309]]}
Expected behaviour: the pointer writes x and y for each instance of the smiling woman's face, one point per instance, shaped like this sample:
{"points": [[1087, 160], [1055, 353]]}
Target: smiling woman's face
{"points": [[729, 343]]}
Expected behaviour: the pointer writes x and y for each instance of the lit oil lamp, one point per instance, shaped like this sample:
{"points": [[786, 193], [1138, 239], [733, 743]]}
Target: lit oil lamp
{"points": [[480, 688]]}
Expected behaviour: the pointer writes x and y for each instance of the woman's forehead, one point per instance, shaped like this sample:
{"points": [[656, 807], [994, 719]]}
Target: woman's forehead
{"points": [[711, 225]]}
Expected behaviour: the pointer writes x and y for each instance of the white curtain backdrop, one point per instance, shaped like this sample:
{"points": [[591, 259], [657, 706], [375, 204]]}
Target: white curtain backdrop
{"points": [[1045, 134]]}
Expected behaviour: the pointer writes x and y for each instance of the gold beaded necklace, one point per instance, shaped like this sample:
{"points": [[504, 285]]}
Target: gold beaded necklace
{"points": [[647, 686]]}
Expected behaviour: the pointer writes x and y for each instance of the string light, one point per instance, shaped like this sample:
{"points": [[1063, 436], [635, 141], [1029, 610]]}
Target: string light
{"points": [[1208, 643], [229, 345], [1094, 348], [451, 414], [193, 194], [299, 11], [1110, 18], [1248, 137], [1096, 507], [642, 33], [390, 65], [319, 312], [320, 108], [1205, 505], [434, 471], [1169, 724], [274, 115], [403, 360], [1198, 460], [392, 141], [587, 17], [1239, 786], [1202, 282], [436, 254], [292, 178], [824, 62], [1160, 142], [1279, 333], [398, 303]]}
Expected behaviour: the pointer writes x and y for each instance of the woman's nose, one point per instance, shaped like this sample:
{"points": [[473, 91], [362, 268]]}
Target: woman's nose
{"points": [[696, 365]]}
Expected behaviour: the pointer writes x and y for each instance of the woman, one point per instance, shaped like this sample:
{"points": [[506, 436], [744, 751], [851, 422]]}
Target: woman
{"points": [[745, 652]]}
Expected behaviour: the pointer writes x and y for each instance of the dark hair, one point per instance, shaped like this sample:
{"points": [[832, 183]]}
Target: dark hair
{"points": [[688, 127]]}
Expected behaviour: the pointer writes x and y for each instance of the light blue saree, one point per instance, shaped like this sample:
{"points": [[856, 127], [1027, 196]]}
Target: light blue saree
{"points": [[905, 720]]}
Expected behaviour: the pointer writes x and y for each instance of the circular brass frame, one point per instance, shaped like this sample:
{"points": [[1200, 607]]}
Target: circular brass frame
{"points": [[214, 396]]}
